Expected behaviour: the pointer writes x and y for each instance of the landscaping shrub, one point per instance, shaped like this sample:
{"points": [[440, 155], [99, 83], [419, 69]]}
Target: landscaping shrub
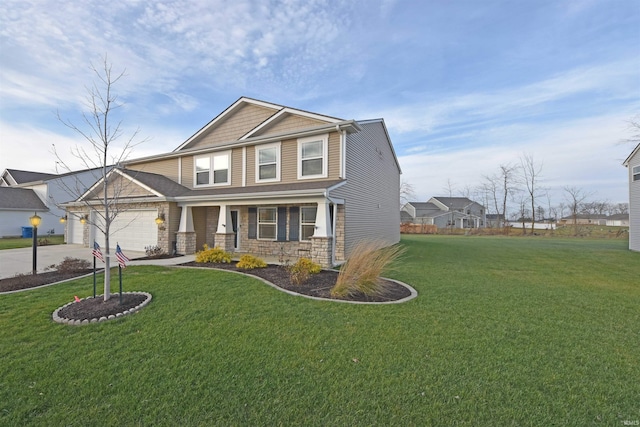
{"points": [[213, 255], [71, 265], [368, 260], [301, 270], [153, 251], [249, 262]]}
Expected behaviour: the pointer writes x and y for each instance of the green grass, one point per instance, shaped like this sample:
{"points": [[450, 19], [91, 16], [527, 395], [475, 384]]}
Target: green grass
{"points": [[505, 331], [18, 242]]}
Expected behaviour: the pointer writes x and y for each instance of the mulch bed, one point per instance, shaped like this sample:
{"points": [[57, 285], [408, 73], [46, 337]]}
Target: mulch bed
{"points": [[26, 281], [91, 308], [318, 285]]}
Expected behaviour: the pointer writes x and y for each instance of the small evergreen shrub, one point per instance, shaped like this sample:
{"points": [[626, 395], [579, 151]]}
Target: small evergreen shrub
{"points": [[249, 262], [213, 255], [153, 251], [71, 265], [301, 270], [361, 273]]}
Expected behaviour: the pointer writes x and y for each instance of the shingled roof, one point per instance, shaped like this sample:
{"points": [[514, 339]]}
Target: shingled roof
{"points": [[22, 177], [20, 199]]}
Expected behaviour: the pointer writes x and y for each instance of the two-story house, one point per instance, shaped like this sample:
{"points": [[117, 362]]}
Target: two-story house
{"points": [[259, 178], [445, 212], [633, 165]]}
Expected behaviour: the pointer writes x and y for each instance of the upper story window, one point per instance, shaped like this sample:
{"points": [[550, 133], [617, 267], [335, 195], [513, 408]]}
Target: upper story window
{"points": [[312, 157], [636, 173], [213, 169], [268, 162]]}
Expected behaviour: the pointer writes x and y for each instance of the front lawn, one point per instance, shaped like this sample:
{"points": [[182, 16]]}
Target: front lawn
{"points": [[19, 242], [505, 331]]}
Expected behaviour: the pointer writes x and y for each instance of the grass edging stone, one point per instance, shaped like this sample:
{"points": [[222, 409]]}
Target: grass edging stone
{"points": [[75, 322]]}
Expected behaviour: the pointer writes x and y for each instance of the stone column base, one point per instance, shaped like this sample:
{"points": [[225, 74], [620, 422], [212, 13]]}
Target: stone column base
{"points": [[225, 241], [186, 242], [321, 251]]}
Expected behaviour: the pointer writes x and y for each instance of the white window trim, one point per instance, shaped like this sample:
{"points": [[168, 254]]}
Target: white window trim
{"points": [[258, 224], [635, 173], [306, 223], [275, 145], [211, 170], [325, 157]]}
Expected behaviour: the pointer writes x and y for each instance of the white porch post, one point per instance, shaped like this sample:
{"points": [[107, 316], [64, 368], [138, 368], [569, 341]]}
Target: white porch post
{"points": [[323, 220], [224, 220], [186, 220]]}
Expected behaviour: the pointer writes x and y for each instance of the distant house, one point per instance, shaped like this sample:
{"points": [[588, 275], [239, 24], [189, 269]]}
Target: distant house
{"points": [[584, 219], [494, 220], [16, 206], [633, 164], [260, 178], [443, 212], [618, 220], [24, 192]]}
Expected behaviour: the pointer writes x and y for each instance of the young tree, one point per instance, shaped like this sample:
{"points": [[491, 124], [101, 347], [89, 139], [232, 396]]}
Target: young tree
{"points": [[575, 198], [101, 130], [406, 192], [531, 174], [500, 188]]}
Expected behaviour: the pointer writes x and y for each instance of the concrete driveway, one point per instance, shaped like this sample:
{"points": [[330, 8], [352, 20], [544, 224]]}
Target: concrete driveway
{"points": [[19, 261]]}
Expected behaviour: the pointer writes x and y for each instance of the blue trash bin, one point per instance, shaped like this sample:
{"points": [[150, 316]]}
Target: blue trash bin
{"points": [[27, 232]]}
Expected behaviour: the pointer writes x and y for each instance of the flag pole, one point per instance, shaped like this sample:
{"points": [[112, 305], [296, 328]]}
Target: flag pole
{"points": [[120, 274], [94, 276]]}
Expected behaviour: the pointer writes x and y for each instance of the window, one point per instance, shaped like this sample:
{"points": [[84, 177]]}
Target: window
{"points": [[213, 169], [267, 220], [636, 173], [307, 222], [268, 163], [312, 157]]}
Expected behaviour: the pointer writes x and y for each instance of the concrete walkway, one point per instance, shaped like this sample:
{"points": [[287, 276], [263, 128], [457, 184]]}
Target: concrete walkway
{"points": [[19, 261]]}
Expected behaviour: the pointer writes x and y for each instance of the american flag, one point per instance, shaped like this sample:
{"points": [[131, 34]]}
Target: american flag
{"points": [[96, 252], [122, 259]]}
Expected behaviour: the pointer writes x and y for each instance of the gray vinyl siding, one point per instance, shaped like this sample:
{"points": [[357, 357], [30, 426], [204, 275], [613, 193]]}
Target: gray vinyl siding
{"points": [[372, 190], [634, 205]]}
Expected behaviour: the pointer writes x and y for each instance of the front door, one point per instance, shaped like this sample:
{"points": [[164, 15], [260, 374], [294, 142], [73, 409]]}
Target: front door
{"points": [[234, 225]]}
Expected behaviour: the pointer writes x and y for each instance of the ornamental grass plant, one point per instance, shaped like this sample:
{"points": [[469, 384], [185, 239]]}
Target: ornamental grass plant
{"points": [[362, 273]]}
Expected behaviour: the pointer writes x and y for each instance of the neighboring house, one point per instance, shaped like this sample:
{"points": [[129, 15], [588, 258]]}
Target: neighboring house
{"points": [[633, 164], [443, 212], [51, 189], [584, 219], [618, 220], [495, 220], [16, 206], [259, 178]]}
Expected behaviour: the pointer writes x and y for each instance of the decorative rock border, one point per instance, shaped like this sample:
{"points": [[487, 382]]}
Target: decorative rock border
{"points": [[76, 322]]}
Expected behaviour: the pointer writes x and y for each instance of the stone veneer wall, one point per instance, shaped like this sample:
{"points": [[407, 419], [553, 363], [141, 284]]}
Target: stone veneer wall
{"points": [[186, 242], [321, 251], [213, 212], [225, 241]]}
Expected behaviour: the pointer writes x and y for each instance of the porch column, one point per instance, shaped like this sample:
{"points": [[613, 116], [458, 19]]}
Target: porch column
{"points": [[323, 220], [186, 235], [225, 238]]}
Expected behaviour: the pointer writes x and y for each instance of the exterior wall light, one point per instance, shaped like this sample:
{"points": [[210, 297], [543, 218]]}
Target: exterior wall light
{"points": [[160, 219], [84, 219], [63, 219]]}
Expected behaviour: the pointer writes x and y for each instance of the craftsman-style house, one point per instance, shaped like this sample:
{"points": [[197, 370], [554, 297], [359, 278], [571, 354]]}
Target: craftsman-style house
{"points": [[259, 178], [633, 165]]}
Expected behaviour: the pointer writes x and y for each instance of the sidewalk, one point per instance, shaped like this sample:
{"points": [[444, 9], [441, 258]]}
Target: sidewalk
{"points": [[19, 261]]}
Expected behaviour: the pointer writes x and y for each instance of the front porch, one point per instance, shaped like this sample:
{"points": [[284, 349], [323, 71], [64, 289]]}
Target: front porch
{"points": [[282, 232]]}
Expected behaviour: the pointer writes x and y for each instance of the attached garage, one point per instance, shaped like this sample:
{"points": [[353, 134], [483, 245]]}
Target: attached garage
{"points": [[133, 230], [74, 229]]}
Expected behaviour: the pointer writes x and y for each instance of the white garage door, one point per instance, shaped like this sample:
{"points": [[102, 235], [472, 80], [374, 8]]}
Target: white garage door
{"points": [[74, 229], [133, 230]]}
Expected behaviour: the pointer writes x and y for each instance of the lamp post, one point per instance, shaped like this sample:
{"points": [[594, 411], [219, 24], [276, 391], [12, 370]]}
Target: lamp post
{"points": [[35, 222]]}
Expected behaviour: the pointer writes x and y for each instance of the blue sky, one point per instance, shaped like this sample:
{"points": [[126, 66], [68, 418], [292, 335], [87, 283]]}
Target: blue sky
{"points": [[463, 86]]}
